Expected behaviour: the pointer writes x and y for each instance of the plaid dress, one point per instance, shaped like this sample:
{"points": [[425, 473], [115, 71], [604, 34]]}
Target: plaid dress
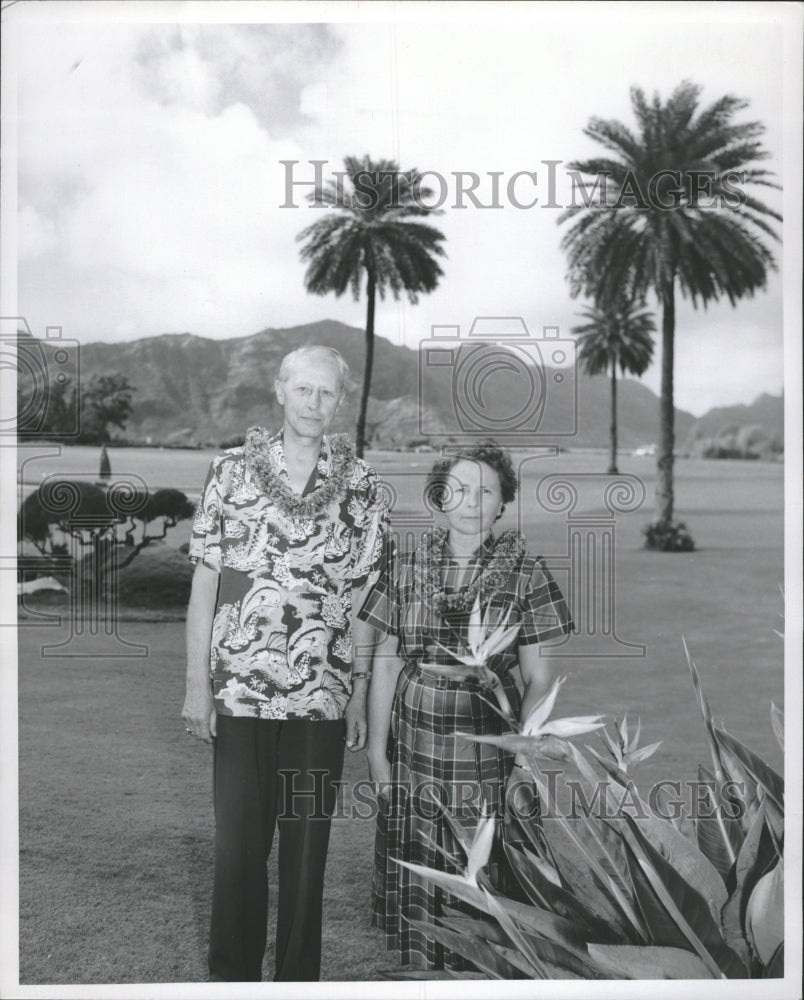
{"points": [[432, 769]]}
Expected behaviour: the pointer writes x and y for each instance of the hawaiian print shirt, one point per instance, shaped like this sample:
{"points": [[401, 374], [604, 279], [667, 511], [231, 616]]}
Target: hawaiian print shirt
{"points": [[281, 635]]}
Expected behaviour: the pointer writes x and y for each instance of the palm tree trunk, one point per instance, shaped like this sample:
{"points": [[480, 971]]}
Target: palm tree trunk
{"points": [[613, 458], [360, 434], [664, 480], [105, 471]]}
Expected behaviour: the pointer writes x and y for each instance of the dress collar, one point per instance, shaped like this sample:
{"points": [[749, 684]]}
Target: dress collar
{"points": [[483, 551]]}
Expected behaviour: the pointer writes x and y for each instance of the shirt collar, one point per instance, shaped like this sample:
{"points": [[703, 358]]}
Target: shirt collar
{"points": [[277, 457]]}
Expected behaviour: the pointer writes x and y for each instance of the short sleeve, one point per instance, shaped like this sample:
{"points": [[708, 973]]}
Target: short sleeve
{"points": [[544, 613], [205, 540], [382, 605], [369, 508]]}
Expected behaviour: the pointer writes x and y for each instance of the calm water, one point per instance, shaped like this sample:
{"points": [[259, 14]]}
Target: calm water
{"points": [[720, 485], [723, 599]]}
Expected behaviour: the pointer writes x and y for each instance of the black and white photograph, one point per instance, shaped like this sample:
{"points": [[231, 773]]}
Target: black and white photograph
{"points": [[401, 476]]}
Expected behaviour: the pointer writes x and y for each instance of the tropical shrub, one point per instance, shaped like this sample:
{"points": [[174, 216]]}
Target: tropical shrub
{"points": [[115, 520], [720, 451], [668, 536], [159, 577], [622, 888]]}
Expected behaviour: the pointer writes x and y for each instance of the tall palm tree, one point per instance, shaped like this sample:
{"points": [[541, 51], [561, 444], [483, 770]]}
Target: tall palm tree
{"points": [[371, 233], [655, 228], [615, 334]]}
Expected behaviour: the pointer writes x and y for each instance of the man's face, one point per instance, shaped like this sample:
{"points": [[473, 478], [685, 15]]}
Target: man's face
{"points": [[310, 396]]}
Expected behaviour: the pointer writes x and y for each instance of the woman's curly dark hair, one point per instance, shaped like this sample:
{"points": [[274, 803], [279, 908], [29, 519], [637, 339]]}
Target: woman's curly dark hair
{"points": [[488, 452]]}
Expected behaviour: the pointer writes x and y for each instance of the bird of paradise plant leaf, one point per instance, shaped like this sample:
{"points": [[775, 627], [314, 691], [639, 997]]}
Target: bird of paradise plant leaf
{"points": [[484, 640], [620, 892]]}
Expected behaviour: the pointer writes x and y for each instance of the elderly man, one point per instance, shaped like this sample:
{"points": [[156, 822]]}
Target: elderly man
{"points": [[288, 533]]}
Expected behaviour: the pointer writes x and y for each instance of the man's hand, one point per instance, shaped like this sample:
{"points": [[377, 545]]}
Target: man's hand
{"points": [[198, 714], [356, 725]]}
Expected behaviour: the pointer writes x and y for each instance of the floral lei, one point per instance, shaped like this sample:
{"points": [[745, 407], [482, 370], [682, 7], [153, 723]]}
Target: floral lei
{"points": [[508, 550], [341, 466]]}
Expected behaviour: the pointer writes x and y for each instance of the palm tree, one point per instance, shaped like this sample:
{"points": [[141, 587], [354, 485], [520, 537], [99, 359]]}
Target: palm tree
{"points": [[371, 233], [616, 334], [660, 233]]}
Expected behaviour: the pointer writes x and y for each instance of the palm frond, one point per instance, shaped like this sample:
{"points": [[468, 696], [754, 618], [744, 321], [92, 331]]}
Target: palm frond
{"points": [[712, 253], [373, 231]]}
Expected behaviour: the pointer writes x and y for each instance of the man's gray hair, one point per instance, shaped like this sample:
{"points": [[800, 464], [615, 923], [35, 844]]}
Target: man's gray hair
{"points": [[301, 354]]}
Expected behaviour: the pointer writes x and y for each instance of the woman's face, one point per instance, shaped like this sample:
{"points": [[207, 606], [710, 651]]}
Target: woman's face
{"points": [[473, 499]]}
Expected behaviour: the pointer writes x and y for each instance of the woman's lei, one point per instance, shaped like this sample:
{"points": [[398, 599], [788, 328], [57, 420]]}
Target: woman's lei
{"points": [[429, 557], [341, 466]]}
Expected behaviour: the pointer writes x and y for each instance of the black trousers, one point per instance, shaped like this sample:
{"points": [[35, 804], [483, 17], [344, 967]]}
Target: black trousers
{"points": [[271, 773]]}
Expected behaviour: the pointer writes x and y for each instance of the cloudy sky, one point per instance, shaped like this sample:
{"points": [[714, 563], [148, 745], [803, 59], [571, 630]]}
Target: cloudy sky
{"points": [[150, 177]]}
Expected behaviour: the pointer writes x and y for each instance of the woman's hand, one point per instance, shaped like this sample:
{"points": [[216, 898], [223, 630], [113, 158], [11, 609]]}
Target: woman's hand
{"points": [[355, 715], [380, 773], [387, 666], [521, 799]]}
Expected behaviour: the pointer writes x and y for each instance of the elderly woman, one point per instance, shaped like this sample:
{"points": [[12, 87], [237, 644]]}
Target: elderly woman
{"points": [[422, 606]]}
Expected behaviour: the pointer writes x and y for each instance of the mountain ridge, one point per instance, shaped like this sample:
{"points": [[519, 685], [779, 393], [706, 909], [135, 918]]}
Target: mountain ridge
{"points": [[201, 391]]}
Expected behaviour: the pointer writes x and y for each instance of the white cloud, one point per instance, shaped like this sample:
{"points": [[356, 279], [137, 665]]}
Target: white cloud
{"points": [[37, 234], [733, 357], [167, 219], [150, 167]]}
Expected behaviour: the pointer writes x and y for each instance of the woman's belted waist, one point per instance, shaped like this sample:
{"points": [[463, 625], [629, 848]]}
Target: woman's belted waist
{"points": [[432, 677]]}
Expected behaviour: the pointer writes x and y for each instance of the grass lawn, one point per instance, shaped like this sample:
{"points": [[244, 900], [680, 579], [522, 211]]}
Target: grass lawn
{"points": [[115, 800], [116, 827]]}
